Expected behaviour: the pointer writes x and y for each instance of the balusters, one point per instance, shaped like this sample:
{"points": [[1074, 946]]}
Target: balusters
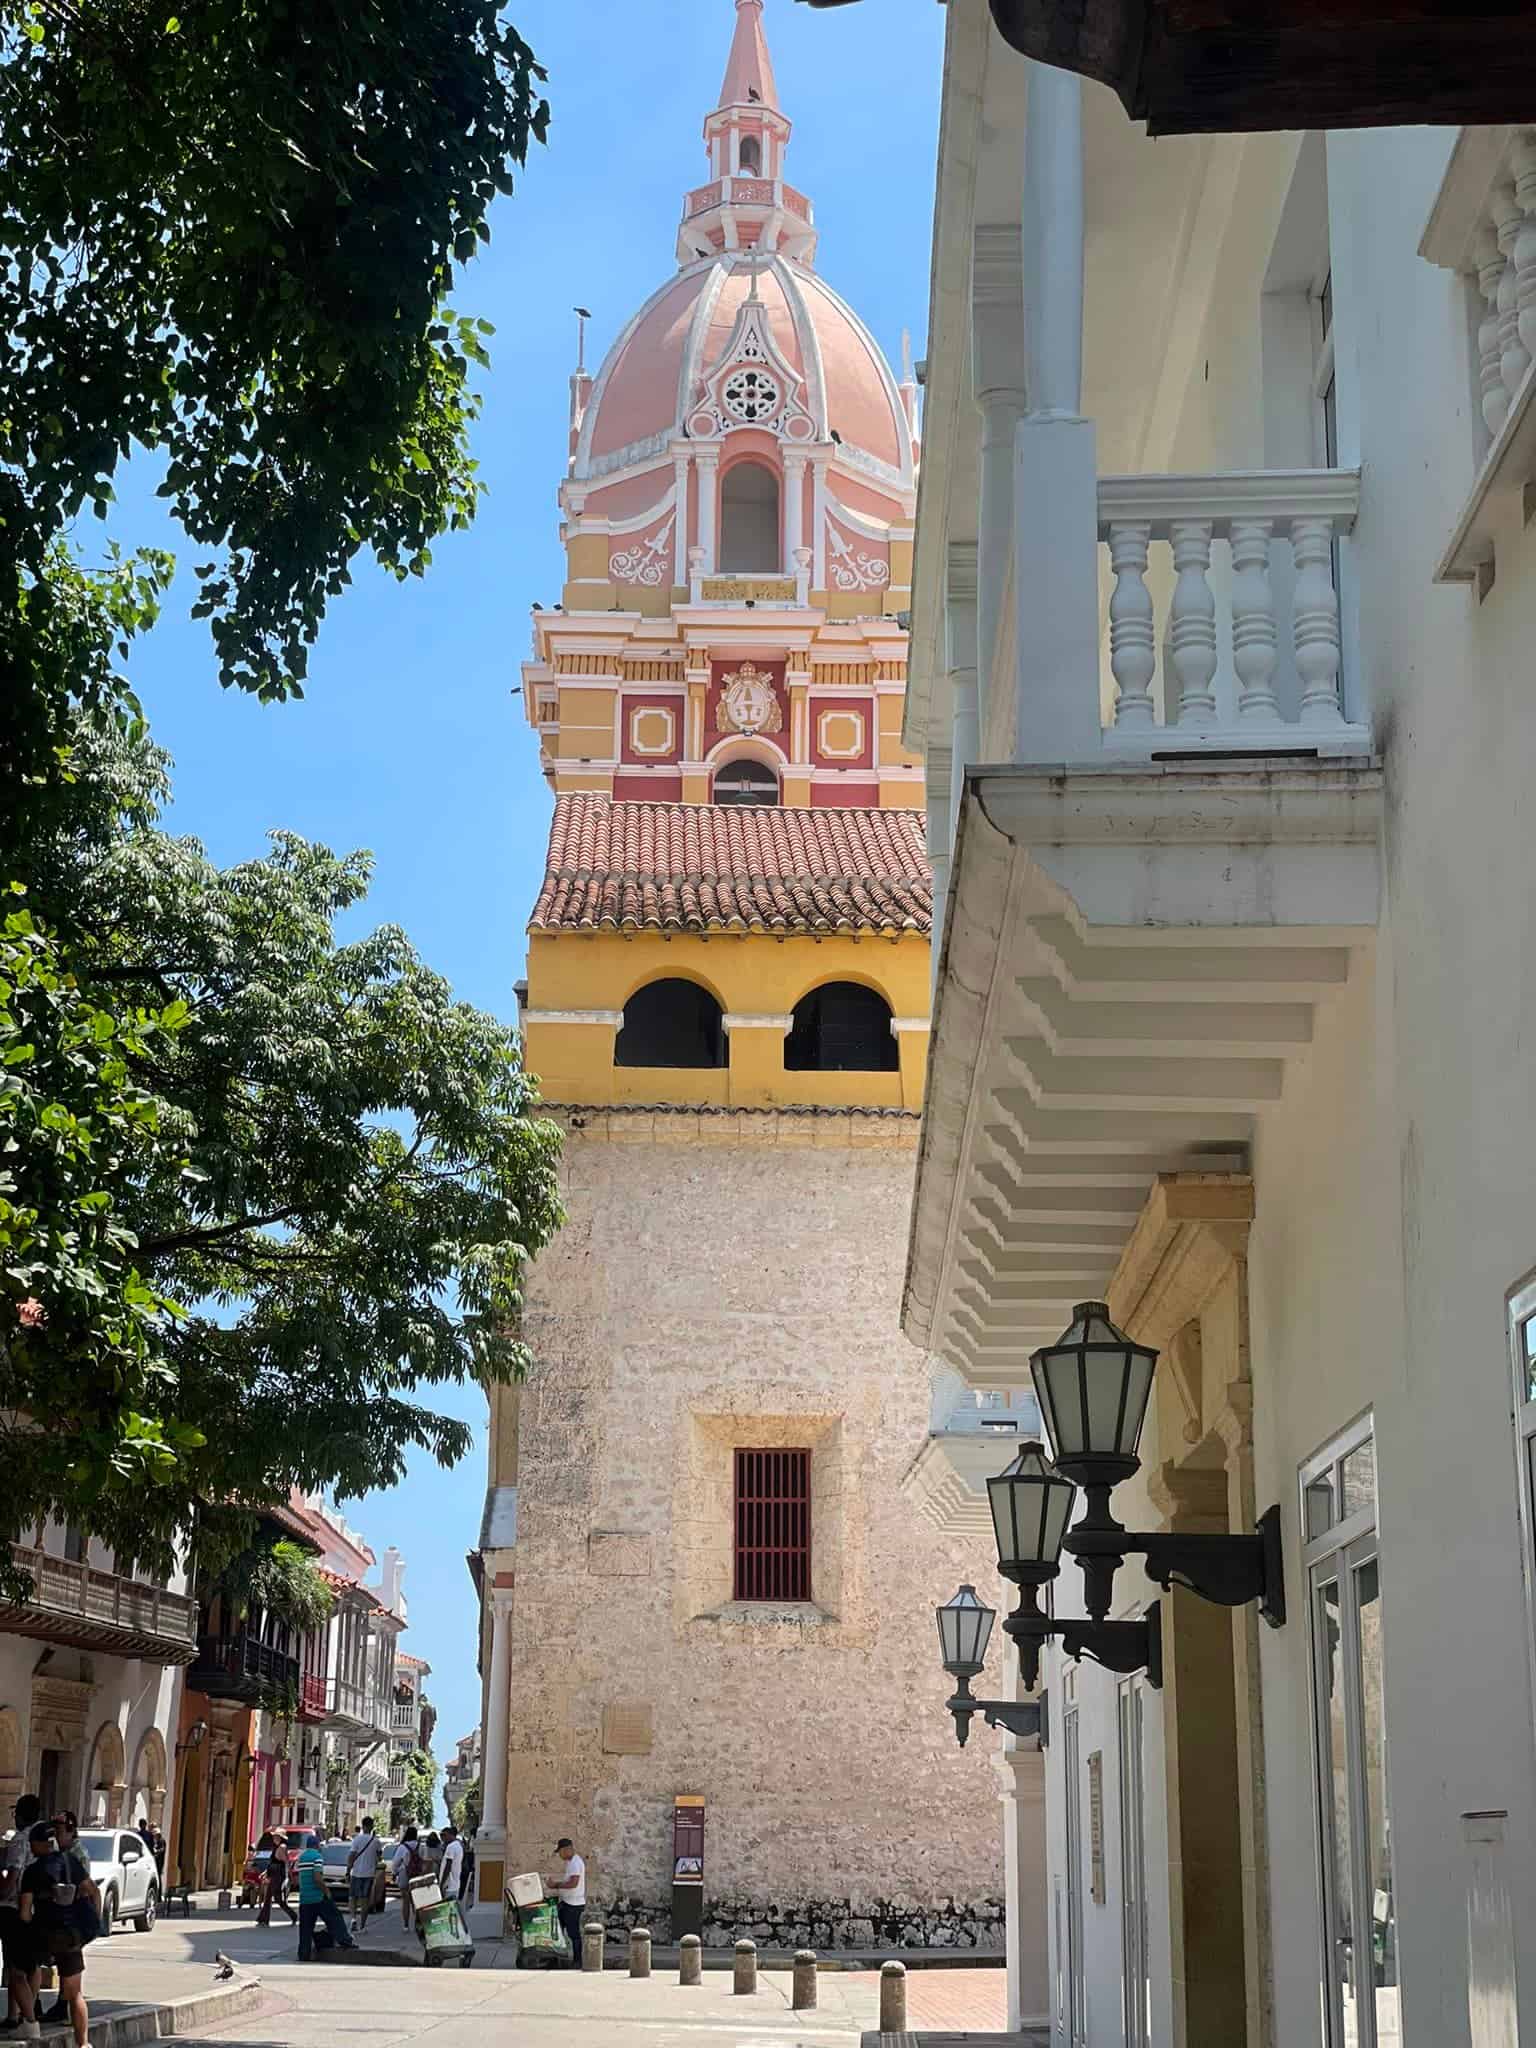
{"points": [[1522, 157], [1193, 633], [1315, 622], [1132, 639], [1514, 357], [1490, 274], [1255, 648]]}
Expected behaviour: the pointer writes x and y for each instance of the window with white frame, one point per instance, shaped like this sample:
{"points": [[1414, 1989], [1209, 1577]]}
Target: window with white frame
{"points": [[1358, 1921]]}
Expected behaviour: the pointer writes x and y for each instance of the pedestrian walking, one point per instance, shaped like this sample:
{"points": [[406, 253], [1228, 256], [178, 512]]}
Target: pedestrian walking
{"points": [[158, 1851], [467, 1889], [403, 1866], [61, 1906], [66, 1834], [316, 1903], [274, 1879], [450, 1873], [570, 1894], [362, 1869], [17, 1947]]}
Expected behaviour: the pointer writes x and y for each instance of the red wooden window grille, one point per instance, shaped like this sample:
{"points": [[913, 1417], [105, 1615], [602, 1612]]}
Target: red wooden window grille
{"points": [[773, 1525]]}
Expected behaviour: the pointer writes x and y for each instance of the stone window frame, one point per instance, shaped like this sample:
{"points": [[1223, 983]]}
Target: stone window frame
{"points": [[704, 1529]]}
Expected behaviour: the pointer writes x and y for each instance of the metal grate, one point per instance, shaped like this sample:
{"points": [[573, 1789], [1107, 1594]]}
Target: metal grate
{"points": [[773, 1525]]}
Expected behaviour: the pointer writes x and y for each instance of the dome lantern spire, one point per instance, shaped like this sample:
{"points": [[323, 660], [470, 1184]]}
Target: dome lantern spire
{"points": [[746, 204]]}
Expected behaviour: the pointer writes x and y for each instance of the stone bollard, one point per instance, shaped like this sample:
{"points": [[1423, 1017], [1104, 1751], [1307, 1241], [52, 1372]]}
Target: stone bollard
{"points": [[593, 1935], [893, 1998], [639, 1951], [690, 1960], [745, 1968], [803, 1998]]}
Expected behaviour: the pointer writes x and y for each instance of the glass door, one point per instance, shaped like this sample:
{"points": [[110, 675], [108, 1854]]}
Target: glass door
{"points": [[1135, 1970], [1360, 1979]]}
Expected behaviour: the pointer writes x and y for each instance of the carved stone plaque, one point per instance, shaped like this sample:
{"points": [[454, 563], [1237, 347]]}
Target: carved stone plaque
{"points": [[627, 1731]]}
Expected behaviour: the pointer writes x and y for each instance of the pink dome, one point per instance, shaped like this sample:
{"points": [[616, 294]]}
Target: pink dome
{"points": [[655, 371]]}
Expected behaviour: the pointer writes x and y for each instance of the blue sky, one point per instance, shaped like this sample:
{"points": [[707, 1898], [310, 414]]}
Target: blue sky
{"points": [[408, 741]]}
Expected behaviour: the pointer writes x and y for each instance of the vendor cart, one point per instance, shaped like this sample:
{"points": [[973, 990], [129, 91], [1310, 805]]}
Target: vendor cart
{"points": [[533, 1926], [440, 1926]]}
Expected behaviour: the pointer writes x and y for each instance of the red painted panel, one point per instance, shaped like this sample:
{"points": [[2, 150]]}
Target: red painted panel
{"points": [[849, 795], [647, 789], [675, 706], [848, 701]]}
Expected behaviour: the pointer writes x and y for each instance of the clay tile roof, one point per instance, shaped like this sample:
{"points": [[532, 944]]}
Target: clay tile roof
{"points": [[734, 867]]}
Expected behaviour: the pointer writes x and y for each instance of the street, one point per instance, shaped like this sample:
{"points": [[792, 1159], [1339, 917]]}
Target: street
{"points": [[389, 1999]]}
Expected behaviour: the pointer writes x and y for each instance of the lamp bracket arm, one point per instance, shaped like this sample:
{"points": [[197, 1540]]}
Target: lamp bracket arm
{"points": [[1123, 1646], [1227, 1570], [1018, 1717]]}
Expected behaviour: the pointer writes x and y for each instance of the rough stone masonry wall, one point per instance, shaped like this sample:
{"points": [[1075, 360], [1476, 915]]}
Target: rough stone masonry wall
{"points": [[721, 1282]]}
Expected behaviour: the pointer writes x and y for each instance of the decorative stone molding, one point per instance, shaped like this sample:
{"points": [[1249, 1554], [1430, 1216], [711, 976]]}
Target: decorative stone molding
{"points": [[748, 1020]]}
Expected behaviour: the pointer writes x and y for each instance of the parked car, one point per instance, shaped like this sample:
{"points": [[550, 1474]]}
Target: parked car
{"points": [[125, 1876]]}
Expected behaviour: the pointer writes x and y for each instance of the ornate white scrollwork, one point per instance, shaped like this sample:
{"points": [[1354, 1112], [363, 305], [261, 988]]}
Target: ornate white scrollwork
{"points": [[855, 568], [645, 561]]}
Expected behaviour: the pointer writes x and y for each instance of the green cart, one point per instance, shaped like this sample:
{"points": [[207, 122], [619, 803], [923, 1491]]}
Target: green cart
{"points": [[444, 1936]]}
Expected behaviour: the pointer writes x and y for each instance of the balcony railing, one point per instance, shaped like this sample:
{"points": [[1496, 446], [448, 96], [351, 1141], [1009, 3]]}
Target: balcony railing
{"points": [[241, 1667], [1224, 630], [74, 1601], [346, 1700], [405, 1720], [311, 1697], [397, 1777]]}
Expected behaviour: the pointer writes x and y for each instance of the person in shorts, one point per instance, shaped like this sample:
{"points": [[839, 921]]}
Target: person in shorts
{"points": [[17, 1948], [56, 1893], [362, 1869]]}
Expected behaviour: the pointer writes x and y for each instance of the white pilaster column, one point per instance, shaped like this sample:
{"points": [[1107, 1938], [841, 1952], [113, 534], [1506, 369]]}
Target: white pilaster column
{"points": [[819, 525], [960, 636], [680, 514], [1056, 583], [707, 469], [997, 378], [497, 1700], [1025, 1883], [794, 509]]}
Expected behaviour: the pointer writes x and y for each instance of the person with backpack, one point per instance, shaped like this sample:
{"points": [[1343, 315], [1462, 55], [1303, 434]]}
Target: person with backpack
{"points": [[403, 1866], [61, 1905]]}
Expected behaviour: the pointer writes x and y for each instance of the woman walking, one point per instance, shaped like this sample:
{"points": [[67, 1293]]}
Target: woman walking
{"points": [[274, 1879]]}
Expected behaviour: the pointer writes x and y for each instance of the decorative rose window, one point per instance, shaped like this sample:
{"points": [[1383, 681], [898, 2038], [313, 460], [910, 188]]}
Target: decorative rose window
{"points": [[751, 395]]}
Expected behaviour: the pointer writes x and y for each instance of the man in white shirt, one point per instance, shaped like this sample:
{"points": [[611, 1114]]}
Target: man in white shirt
{"points": [[362, 1868], [403, 1866], [450, 1871], [571, 1893]]}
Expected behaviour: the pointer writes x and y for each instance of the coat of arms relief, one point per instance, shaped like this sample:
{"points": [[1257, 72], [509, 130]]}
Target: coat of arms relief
{"points": [[748, 703]]}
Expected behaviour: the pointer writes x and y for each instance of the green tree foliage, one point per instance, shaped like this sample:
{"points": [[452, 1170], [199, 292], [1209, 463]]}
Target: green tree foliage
{"points": [[264, 1188], [228, 238], [418, 1800], [277, 1578], [465, 1811]]}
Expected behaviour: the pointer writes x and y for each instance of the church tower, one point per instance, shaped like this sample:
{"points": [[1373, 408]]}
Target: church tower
{"points": [[701, 1582]]}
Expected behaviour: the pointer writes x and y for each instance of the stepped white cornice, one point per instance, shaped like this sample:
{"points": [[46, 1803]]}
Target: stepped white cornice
{"points": [[1133, 959]]}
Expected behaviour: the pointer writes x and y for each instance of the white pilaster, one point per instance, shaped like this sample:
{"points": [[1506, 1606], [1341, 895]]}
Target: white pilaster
{"points": [[1026, 1885], [497, 1702], [794, 509], [707, 469], [680, 518], [1055, 514], [997, 378], [819, 524]]}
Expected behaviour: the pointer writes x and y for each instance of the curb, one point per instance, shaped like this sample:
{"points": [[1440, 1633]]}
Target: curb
{"points": [[135, 2023]]}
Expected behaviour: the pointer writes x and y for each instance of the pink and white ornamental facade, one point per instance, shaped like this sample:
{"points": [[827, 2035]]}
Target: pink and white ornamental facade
{"points": [[741, 483]]}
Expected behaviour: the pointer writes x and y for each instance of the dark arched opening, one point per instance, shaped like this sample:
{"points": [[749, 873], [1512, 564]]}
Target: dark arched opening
{"points": [[671, 1024], [746, 782], [841, 1028], [751, 157], [749, 521]]}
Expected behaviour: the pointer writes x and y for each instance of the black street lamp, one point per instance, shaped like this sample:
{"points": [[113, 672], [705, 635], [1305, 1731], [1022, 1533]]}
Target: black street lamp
{"points": [[1032, 1504], [965, 1625], [1093, 1385]]}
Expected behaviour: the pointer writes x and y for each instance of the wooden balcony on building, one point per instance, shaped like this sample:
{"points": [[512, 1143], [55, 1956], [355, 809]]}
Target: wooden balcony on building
{"points": [[75, 1604], [242, 1667]]}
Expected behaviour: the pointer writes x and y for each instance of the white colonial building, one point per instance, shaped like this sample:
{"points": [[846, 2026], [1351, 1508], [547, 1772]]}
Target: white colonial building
{"points": [[1224, 605]]}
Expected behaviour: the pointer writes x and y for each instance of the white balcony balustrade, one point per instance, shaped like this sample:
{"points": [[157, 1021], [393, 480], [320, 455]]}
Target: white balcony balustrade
{"points": [[1224, 624]]}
